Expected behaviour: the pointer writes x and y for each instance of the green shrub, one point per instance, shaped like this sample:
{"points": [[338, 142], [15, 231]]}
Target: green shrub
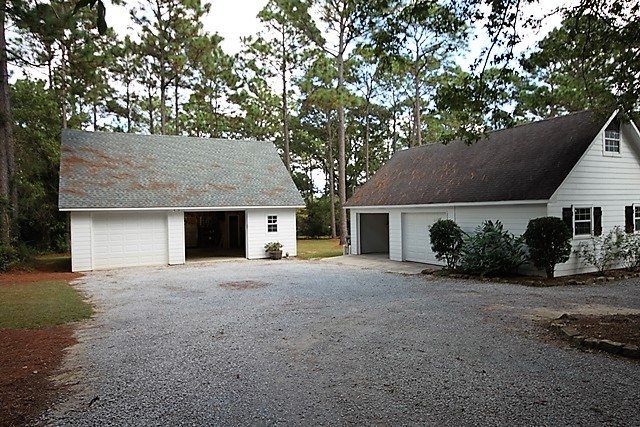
{"points": [[315, 219], [603, 253], [9, 257], [631, 251], [492, 251], [446, 241], [549, 242]]}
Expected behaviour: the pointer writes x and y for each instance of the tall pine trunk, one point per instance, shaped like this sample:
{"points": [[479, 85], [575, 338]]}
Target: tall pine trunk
{"points": [[7, 146], [63, 86], [332, 177], [417, 126], [285, 107], [366, 143], [394, 141], [94, 108], [128, 101], [342, 173], [150, 109], [176, 105], [163, 106]]}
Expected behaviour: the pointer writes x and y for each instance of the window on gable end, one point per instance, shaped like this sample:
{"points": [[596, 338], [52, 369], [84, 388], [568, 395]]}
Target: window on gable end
{"points": [[612, 138]]}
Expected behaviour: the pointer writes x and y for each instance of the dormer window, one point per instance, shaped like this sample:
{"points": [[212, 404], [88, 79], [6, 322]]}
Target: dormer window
{"points": [[612, 138]]}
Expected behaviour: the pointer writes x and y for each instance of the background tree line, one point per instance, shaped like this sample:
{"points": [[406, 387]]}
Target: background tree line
{"points": [[337, 85]]}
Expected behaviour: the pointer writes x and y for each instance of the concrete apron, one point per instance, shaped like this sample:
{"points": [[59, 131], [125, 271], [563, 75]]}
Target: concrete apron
{"points": [[379, 262]]}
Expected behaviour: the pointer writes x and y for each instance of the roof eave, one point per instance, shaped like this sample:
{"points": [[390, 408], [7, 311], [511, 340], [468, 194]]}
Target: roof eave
{"points": [[176, 208], [441, 205]]}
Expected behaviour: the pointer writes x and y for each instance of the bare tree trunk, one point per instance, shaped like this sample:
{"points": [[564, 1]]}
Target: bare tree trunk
{"points": [[63, 87], [176, 105], [7, 145], [417, 126], [285, 107], [163, 105], [394, 141], [366, 143], [128, 101], [342, 171], [94, 108], [50, 65], [150, 109], [332, 183]]}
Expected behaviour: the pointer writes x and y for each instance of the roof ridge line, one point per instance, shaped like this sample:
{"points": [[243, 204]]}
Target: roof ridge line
{"points": [[159, 135]]}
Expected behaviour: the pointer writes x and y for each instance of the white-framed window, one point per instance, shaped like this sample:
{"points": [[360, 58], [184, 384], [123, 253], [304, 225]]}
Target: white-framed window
{"points": [[272, 223], [636, 218], [582, 221], [612, 139]]}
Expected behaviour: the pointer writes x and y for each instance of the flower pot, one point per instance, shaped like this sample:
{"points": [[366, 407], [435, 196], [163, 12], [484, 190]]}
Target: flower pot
{"points": [[275, 255]]}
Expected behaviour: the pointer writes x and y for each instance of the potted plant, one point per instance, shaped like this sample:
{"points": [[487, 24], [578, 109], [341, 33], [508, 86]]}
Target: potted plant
{"points": [[274, 249]]}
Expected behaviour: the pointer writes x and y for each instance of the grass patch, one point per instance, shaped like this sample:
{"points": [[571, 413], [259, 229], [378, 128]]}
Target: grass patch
{"points": [[40, 304], [47, 262], [319, 248]]}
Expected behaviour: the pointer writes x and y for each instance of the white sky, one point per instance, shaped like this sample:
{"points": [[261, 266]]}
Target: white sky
{"points": [[232, 19]]}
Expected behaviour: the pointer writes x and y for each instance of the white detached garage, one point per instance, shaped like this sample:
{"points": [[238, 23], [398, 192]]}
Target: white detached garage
{"points": [[581, 167], [156, 200]]}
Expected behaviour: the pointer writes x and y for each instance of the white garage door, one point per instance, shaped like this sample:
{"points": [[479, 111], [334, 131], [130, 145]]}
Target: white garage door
{"points": [[415, 236], [124, 239]]}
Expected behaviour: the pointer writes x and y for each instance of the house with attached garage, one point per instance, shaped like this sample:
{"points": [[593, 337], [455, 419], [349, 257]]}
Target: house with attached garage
{"points": [[156, 200], [581, 167]]}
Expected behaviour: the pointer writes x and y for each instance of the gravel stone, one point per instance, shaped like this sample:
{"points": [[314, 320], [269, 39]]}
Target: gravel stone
{"points": [[327, 344]]}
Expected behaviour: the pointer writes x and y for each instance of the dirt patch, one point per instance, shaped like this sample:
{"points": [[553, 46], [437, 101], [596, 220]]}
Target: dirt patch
{"points": [[24, 277], [28, 357], [617, 327], [536, 281], [244, 284]]}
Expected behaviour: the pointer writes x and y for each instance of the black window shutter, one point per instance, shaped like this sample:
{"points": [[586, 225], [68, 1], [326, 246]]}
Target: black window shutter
{"points": [[597, 221], [628, 219], [567, 217]]}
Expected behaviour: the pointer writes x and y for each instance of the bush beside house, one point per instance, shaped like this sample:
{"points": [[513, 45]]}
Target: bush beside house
{"points": [[549, 242], [493, 251], [446, 241], [615, 249]]}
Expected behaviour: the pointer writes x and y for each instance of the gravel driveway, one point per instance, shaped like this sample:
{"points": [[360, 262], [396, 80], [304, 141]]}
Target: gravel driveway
{"points": [[330, 344]]}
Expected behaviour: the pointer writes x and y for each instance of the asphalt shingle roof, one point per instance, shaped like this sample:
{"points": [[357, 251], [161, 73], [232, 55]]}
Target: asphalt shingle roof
{"points": [[119, 170], [527, 162]]}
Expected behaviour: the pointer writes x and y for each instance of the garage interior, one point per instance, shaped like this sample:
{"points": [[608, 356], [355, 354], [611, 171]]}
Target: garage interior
{"points": [[374, 233], [214, 234]]}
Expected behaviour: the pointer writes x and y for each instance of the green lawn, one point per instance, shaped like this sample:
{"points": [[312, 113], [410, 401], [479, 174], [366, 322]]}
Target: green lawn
{"points": [[318, 248], [39, 304]]}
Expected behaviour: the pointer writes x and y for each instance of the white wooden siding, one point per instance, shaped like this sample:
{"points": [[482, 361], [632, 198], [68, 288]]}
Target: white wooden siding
{"points": [[514, 218], [395, 235], [354, 232], [610, 182], [257, 235], [175, 224], [81, 241]]}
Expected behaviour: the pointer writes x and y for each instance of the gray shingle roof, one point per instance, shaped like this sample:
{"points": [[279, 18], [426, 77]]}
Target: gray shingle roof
{"points": [[527, 162], [119, 170]]}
